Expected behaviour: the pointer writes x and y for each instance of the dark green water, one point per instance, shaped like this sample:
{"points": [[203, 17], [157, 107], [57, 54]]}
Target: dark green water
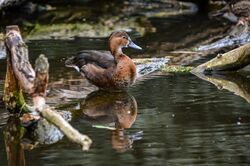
{"points": [[179, 118]]}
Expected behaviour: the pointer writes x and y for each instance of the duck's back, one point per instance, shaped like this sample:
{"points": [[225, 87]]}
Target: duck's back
{"points": [[101, 69], [102, 59]]}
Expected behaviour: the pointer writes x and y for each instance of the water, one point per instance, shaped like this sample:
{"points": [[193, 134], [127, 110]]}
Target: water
{"points": [[180, 120], [164, 119]]}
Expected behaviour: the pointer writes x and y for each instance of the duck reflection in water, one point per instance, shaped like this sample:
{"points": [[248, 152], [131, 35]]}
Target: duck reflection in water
{"points": [[114, 110]]}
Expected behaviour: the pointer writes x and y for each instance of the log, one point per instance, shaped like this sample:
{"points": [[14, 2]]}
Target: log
{"points": [[18, 51], [21, 76], [66, 128], [13, 96], [230, 61]]}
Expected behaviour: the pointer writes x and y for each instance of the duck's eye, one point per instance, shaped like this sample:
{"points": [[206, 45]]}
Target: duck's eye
{"points": [[124, 37]]}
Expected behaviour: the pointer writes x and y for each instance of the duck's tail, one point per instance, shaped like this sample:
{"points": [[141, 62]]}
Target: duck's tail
{"points": [[75, 62]]}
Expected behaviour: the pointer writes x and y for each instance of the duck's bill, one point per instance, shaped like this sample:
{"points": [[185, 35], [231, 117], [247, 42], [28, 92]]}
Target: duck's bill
{"points": [[133, 45]]}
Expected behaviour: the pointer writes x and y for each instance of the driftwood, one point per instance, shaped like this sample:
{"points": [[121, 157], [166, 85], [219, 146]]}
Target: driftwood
{"points": [[230, 61], [233, 82], [21, 76]]}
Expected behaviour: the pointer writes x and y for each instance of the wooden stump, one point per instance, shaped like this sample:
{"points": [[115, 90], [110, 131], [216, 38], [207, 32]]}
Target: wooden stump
{"points": [[21, 76]]}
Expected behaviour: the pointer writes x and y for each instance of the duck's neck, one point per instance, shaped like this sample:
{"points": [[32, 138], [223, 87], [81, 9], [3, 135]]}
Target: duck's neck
{"points": [[116, 52]]}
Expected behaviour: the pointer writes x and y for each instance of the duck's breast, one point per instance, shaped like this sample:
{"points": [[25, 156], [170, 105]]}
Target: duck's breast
{"points": [[125, 74]]}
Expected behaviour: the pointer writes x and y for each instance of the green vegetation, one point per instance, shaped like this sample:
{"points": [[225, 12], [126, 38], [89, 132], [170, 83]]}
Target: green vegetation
{"points": [[176, 69]]}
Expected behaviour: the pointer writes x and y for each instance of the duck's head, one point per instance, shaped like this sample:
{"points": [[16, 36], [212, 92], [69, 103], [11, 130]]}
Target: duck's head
{"points": [[119, 40]]}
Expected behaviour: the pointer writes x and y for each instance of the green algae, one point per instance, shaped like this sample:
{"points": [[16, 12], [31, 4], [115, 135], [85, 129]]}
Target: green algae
{"points": [[177, 69]]}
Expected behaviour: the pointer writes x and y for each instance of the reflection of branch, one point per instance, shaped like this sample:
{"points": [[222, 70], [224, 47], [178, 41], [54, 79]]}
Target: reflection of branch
{"points": [[233, 82], [21, 76]]}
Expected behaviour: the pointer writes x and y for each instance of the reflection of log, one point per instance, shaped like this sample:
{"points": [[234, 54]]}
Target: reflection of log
{"points": [[21, 76], [233, 82], [12, 136], [230, 61]]}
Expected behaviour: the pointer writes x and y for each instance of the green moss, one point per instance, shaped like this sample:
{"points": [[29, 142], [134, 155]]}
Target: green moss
{"points": [[142, 61], [20, 101], [68, 30], [16, 102], [177, 69]]}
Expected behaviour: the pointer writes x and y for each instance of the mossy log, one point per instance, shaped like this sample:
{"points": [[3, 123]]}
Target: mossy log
{"points": [[18, 53], [230, 61], [13, 96], [21, 76]]}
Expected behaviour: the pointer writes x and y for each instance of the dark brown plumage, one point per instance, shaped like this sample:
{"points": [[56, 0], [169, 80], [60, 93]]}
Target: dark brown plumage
{"points": [[107, 70]]}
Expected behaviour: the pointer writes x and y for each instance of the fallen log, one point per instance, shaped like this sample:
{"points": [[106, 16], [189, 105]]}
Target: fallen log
{"points": [[21, 76], [230, 61]]}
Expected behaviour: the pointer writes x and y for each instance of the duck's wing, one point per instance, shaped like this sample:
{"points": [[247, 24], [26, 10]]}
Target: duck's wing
{"points": [[102, 59]]}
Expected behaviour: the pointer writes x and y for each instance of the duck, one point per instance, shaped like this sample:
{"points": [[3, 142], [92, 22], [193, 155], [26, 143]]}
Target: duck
{"points": [[239, 8], [108, 70]]}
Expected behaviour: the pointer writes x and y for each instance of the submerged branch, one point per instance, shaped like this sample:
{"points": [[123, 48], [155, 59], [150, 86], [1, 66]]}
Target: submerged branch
{"points": [[66, 128]]}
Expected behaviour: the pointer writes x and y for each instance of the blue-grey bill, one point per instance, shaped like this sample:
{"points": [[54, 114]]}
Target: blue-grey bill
{"points": [[133, 45]]}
